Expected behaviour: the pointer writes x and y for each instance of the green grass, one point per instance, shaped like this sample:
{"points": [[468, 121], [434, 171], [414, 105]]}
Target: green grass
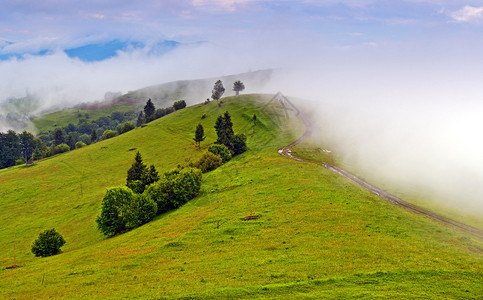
{"points": [[317, 236]]}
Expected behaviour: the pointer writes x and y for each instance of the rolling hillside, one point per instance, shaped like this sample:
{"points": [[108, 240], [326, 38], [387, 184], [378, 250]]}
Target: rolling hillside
{"points": [[318, 235]]}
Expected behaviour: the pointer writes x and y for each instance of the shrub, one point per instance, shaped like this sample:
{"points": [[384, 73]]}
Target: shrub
{"points": [[80, 144], [239, 143], [220, 150], [61, 148], [109, 134], [48, 243], [123, 210], [208, 162], [128, 126], [179, 104]]}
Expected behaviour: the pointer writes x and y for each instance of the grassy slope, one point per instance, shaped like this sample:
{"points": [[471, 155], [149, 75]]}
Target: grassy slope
{"points": [[318, 234]]}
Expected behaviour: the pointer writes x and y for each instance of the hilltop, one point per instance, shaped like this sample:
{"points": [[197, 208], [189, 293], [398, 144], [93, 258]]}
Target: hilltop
{"points": [[318, 234]]}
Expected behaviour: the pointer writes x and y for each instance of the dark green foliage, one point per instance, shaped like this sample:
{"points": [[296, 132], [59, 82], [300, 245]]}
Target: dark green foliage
{"points": [[27, 145], [254, 119], [140, 120], [218, 90], [109, 134], [127, 126], [149, 111], [238, 86], [9, 148], [220, 150], [208, 162], [48, 243], [239, 143], [179, 105], [60, 148], [150, 176], [93, 136], [137, 169], [224, 130], [58, 136], [123, 210], [175, 189], [199, 135]]}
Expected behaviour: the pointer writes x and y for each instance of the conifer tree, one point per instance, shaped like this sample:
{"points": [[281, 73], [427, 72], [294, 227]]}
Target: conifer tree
{"points": [[238, 86], [218, 90], [137, 170], [140, 120], [93, 136], [199, 134], [149, 111]]}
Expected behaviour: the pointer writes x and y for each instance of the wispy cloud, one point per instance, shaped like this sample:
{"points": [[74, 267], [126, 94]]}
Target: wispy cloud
{"points": [[468, 14]]}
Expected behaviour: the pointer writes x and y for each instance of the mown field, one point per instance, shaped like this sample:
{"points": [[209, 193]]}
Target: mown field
{"points": [[318, 235]]}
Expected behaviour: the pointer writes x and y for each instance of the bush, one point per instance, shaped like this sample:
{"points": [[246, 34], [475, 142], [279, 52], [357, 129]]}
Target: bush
{"points": [[176, 188], [61, 148], [239, 143], [109, 134], [123, 210], [48, 243], [208, 162], [220, 150], [128, 126], [80, 144], [179, 104]]}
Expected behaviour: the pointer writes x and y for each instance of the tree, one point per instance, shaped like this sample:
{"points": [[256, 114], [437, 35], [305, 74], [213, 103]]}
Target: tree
{"points": [[239, 143], [80, 144], [218, 90], [140, 120], [149, 111], [137, 170], [179, 105], [224, 130], [93, 136], [123, 210], [27, 145], [61, 148], [238, 86], [9, 149], [58, 136], [48, 243], [199, 135]]}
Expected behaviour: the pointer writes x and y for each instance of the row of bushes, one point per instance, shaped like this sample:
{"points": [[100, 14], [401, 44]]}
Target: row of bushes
{"points": [[145, 196]]}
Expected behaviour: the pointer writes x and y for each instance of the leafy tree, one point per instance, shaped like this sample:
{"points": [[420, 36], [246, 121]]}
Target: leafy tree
{"points": [[218, 90], [122, 210], [238, 86], [48, 243], [127, 126], [199, 135], [179, 105], [58, 136], [93, 136], [108, 134], [208, 162], [27, 145], [9, 149], [140, 120], [220, 150], [149, 111]]}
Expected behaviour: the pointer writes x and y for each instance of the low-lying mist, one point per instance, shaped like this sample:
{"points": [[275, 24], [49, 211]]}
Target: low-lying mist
{"points": [[413, 124]]}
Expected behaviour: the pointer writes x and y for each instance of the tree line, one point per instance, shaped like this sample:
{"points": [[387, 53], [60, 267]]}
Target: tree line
{"points": [[25, 147]]}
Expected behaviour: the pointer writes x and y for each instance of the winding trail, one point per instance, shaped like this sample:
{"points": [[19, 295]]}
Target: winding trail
{"points": [[287, 152]]}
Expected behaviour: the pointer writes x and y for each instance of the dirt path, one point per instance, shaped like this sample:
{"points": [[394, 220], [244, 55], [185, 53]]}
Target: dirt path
{"points": [[287, 152]]}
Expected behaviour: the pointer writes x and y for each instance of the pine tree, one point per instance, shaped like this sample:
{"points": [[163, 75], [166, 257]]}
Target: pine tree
{"points": [[137, 170], [199, 135], [58, 136], [149, 111], [218, 90], [93, 136], [140, 120]]}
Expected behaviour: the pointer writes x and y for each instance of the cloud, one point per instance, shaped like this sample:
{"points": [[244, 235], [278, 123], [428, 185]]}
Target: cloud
{"points": [[468, 14]]}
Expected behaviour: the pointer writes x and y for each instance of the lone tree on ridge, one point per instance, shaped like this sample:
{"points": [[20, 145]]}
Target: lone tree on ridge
{"points": [[238, 86], [218, 90], [199, 135]]}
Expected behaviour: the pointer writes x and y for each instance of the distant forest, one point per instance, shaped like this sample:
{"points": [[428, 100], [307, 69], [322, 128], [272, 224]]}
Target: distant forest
{"points": [[24, 147]]}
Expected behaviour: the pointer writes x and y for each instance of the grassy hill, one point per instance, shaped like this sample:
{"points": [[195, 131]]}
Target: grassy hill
{"points": [[318, 235]]}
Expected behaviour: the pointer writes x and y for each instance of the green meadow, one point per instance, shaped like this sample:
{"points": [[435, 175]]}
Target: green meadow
{"points": [[317, 235]]}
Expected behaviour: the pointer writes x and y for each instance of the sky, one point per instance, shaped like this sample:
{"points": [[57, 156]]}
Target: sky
{"points": [[395, 84]]}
